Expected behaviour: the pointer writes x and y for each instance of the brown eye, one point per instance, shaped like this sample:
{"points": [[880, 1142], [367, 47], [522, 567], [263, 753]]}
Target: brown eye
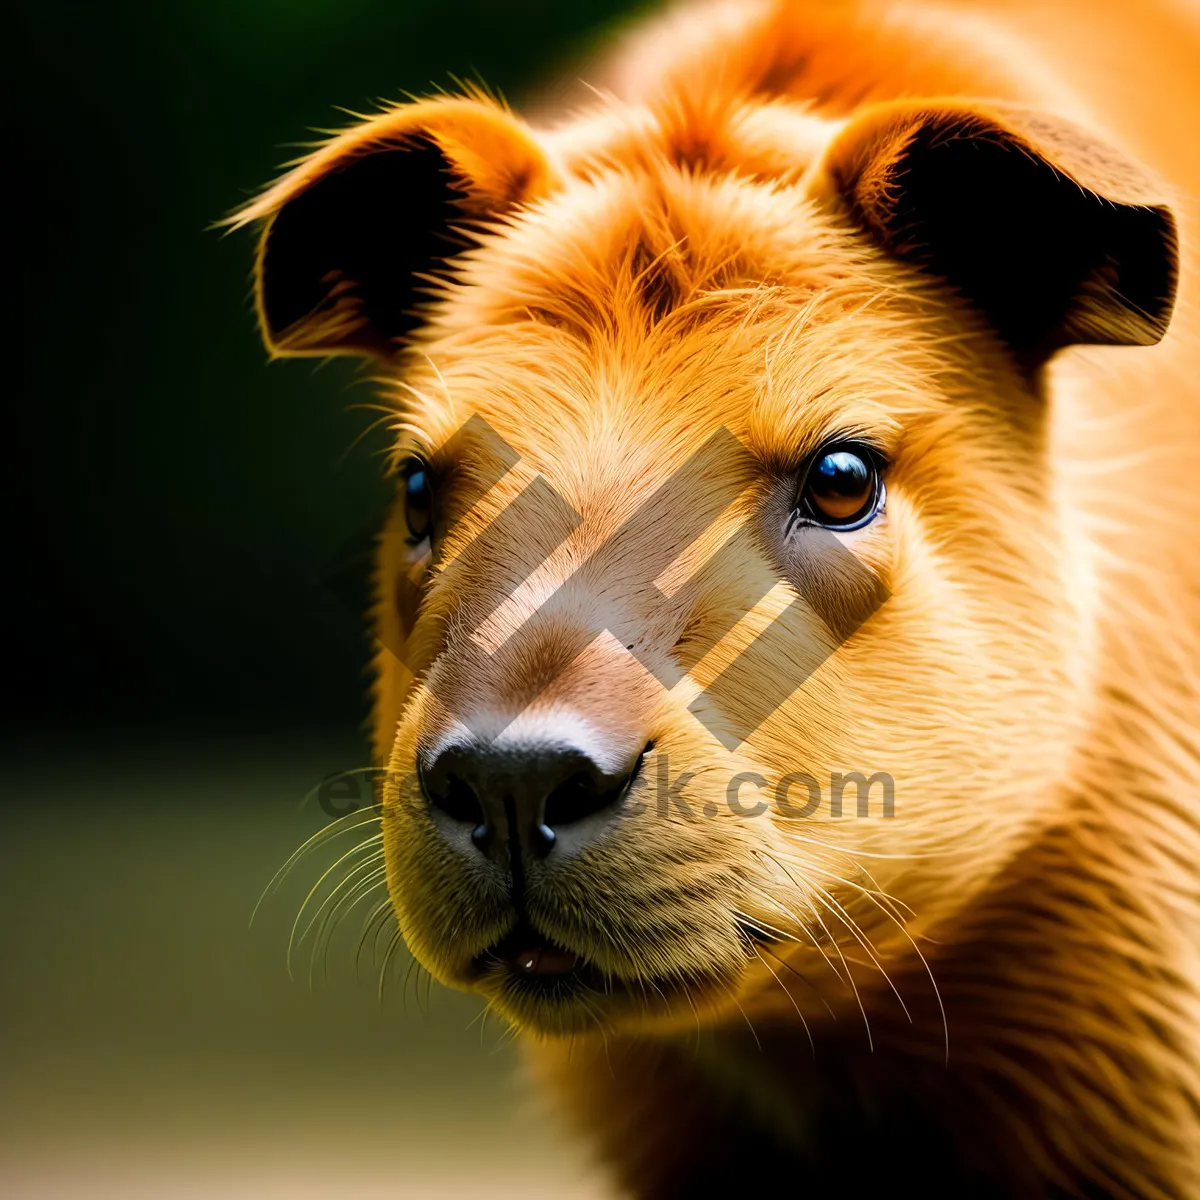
{"points": [[418, 501], [843, 489]]}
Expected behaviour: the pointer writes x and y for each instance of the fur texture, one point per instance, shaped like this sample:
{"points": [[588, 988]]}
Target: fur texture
{"points": [[794, 220]]}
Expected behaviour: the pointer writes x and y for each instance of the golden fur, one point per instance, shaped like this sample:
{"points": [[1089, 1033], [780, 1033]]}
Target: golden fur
{"points": [[1001, 983]]}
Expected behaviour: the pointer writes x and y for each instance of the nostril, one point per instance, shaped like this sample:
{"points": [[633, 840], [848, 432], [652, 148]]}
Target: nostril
{"points": [[584, 793], [587, 791], [457, 799], [575, 798]]}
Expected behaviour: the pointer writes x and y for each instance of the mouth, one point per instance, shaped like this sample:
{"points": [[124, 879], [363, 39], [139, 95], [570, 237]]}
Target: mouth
{"points": [[543, 985], [528, 962]]}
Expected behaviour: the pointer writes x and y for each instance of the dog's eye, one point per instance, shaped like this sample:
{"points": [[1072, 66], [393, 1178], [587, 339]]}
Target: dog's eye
{"points": [[418, 500], [843, 488]]}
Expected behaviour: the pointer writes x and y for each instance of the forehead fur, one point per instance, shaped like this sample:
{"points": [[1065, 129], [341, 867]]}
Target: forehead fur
{"points": [[671, 298], [639, 240]]}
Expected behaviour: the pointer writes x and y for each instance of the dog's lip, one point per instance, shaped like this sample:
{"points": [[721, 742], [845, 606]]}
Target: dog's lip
{"points": [[529, 970], [527, 952]]}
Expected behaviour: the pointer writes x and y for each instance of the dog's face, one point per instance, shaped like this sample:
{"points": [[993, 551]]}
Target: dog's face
{"points": [[724, 476]]}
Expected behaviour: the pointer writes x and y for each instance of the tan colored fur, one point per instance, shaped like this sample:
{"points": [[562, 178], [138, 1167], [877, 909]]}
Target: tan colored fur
{"points": [[1002, 982]]}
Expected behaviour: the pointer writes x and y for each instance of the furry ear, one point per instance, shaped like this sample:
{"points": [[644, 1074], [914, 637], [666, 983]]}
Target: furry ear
{"points": [[1052, 235], [355, 230]]}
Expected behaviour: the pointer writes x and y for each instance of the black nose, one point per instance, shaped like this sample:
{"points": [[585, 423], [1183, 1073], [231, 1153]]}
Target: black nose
{"points": [[538, 795]]}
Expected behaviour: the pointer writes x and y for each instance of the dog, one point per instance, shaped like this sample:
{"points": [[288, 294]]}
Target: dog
{"points": [[818, 399]]}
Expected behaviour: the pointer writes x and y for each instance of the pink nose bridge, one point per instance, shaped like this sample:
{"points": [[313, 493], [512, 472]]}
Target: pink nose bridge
{"points": [[614, 590]]}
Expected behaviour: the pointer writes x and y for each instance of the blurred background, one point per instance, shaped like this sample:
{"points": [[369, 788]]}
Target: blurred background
{"points": [[186, 661]]}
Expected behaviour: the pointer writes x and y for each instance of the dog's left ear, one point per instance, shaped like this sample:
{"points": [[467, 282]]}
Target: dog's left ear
{"points": [[1049, 233], [357, 233]]}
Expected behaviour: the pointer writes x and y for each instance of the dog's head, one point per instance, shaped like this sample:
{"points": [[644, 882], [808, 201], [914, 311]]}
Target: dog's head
{"points": [[731, 609]]}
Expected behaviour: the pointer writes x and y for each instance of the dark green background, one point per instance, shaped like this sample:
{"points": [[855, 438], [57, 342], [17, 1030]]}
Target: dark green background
{"points": [[177, 679], [174, 496]]}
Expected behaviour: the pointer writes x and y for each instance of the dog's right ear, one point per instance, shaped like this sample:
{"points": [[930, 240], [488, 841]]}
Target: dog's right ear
{"points": [[355, 231]]}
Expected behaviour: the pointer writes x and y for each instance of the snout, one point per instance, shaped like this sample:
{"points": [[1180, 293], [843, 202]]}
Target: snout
{"points": [[536, 865], [522, 812]]}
